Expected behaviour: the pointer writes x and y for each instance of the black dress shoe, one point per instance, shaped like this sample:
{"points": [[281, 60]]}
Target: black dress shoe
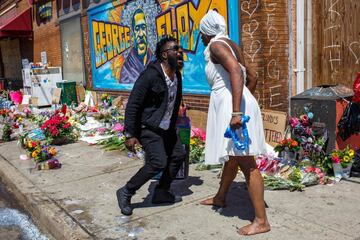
{"points": [[124, 200], [162, 196]]}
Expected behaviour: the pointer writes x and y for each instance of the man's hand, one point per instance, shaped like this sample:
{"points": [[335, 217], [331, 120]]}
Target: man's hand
{"points": [[235, 122], [131, 144]]}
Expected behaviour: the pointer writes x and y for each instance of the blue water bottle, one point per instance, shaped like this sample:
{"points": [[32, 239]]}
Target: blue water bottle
{"points": [[230, 133]]}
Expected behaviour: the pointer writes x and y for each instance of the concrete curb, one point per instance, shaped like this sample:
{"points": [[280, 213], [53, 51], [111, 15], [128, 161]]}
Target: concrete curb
{"points": [[50, 216]]}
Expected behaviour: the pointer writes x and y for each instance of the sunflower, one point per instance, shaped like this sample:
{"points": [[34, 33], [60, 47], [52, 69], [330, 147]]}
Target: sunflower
{"points": [[35, 153], [351, 153], [346, 159]]}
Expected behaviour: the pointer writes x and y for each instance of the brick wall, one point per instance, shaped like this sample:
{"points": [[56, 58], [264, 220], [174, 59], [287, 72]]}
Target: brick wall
{"points": [[265, 40], [47, 38], [87, 55]]}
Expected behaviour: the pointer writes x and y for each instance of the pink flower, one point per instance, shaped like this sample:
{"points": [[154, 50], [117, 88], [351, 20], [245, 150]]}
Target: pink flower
{"points": [[309, 169], [101, 130], [118, 127], [304, 120], [308, 131], [294, 122], [197, 132], [335, 159]]}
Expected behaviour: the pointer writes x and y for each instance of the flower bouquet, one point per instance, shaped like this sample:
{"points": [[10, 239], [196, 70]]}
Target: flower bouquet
{"points": [[106, 100], [42, 153], [197, 145], [58, 130], [311, 140], [342, 162], [288, 149]]}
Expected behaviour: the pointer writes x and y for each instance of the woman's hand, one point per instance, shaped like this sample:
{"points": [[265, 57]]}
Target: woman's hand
{"points": [[235, 122]]}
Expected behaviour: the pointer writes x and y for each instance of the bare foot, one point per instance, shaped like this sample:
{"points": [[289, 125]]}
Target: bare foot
{"points": [[213, 202], [254, 228]]}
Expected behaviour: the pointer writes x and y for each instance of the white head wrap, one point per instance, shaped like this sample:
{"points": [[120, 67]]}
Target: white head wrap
{"points": [[213, 24]]}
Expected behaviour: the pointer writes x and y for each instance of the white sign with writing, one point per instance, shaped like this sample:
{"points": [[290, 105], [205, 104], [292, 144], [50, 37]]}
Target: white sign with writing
{"points": [[43, 58]]}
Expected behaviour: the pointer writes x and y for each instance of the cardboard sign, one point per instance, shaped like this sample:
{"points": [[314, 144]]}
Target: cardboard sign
{"points": [[56, 96], [274, 126], [118, 102], [90, 98], [80, 92], [34, 101], [26, 99]]}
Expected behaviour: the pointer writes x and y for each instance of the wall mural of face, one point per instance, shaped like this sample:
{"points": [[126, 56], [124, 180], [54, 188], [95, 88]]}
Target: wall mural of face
{"points": [[140, 32]]}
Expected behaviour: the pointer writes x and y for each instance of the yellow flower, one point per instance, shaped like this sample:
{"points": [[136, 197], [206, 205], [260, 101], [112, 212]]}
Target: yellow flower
{"points": [[52, 151], [335, 154], [29, 144], [192, 141], [35, 153], [351, 153], [346, 159]]}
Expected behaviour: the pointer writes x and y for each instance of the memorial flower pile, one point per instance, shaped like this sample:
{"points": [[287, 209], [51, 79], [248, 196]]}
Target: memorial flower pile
{"points": [[58, 129]]}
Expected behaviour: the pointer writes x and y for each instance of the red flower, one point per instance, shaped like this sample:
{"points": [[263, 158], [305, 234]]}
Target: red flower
{"points": [[67, 125], [55, 132], [63, 109]]}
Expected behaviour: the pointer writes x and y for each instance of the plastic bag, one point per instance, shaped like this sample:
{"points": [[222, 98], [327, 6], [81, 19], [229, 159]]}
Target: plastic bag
{"points": [[350, 121], [356, 88], [310, 178]]}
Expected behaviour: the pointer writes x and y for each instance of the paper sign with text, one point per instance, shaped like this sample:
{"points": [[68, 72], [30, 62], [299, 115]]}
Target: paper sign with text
{"points": [[274, 126], [56, 96]]}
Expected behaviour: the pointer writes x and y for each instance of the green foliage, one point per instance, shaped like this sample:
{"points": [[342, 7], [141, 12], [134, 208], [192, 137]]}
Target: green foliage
{"points": [[278, 183], [197, 150], [6, 133], [113, 143]]}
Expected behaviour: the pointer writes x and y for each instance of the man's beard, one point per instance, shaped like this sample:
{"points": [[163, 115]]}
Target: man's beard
{"points": [[173, 63]]}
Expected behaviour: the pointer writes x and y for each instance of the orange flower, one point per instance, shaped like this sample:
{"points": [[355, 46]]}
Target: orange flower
{"points": [[52, 151], [294, 144]]}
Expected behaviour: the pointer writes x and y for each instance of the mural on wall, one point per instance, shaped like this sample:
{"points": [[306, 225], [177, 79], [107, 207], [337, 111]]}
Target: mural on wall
{"points": [[123, 36]]}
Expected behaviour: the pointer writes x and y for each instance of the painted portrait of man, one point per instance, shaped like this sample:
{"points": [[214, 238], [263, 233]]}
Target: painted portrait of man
{"points": [[140, 54]]}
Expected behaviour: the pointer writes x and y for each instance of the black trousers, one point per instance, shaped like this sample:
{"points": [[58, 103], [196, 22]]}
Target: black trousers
{"points": [[163, 153]]}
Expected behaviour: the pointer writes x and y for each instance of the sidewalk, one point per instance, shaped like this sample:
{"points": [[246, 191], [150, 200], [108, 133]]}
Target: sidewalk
{"points": [[78, 202]]}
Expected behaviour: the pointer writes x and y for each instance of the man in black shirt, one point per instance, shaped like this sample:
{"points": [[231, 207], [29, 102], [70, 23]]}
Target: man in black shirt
{"points": [[150, 120]]}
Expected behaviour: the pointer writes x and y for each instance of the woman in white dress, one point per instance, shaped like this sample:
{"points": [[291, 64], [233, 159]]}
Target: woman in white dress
{"points": [[232, 84]]}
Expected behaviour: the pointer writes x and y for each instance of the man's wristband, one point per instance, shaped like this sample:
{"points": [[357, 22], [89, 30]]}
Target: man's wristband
{"points": [[233, 114]]}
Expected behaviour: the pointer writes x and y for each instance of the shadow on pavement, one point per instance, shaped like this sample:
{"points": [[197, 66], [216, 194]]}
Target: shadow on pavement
{"points": [[178, 187], [238, 203]]}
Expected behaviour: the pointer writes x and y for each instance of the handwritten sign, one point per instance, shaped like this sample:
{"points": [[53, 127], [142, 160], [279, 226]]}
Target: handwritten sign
{"points": [[56, 96], [274, 126], [80, 93]]}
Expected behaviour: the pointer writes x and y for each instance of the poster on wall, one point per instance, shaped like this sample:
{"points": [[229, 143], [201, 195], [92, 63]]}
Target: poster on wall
{"points": [[45, 11], [123, 36]]}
